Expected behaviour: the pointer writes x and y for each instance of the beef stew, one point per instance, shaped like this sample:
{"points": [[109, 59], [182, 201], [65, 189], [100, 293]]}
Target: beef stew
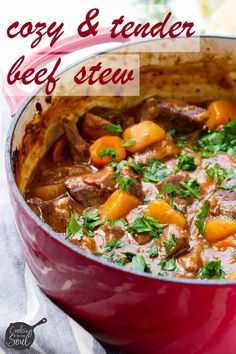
{"points": [[152, 188]]}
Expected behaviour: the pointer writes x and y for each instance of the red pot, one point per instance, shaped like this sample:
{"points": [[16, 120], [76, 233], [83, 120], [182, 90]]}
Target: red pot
{"points": [[132, 312]]}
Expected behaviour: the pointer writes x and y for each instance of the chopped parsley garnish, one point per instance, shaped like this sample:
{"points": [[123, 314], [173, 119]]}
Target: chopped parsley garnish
{"points": [[176, 206], [106, 151], [203, 210], [125, 183], [153, 252], [74, 228], [230, 216], [191, 187], [129, 142], [171, 132], [169, 244], [155, 172], [217, 141], [115, 257], [139, 264], [201, 226], [90, 221], [114, 128], [181, 143], [211, 270], [118, 165], [129, 255], [220, 175], [217, 173], [136, 167], [186, 163], [159, 196], [114, 243], [168, 265], [146, 225], [201, 215], [169, 189], [118, 222]]}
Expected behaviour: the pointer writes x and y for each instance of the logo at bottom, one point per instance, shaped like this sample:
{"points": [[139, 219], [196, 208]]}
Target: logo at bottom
{"points": [[20, 335]]}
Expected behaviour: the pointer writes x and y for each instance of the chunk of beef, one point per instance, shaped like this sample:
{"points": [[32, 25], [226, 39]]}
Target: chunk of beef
{"points": [[112, 232], [175, 180], [55, 212], [107, 113], [88, 244], [115, 116], [172, 114], [162, 150], [92, 189], [78, 146], [223, 203], [59, 173], [135, 187], [191, 262], [93, 126], [169, 249]]}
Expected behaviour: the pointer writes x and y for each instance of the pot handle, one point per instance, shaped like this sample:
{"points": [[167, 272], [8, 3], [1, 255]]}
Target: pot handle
{"points": [[15, 96]]}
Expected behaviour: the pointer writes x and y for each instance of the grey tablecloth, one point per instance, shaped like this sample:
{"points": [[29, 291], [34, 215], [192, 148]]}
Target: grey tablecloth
{"points": [[20, 298]]}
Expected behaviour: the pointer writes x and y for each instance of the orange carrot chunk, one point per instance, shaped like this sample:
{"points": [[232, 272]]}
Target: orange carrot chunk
{"points": [[218, 229], [231, 276], [220, 113], [143, 134], [117, 205], [162, 211], [225, 243], [106, 149]]}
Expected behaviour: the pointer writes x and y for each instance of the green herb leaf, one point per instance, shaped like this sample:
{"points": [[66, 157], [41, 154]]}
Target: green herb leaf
{"points": [[201, 215], [181, 143], [203, 210], [90, 221], [169, 189], [217, 173], [155, 172], [136, 167], [146, 225], [118, 222], [106, 151], [171, 132], [129, 255], [153, 252], [139, 264], [176, 206], [216, 141], [114, 243], [168, 265], [74, 228], [186, 163], [211, 270], [114, 128], [129, 142], [125, 183], [201, 226], [159, 196], [191, 187], [118, 165], [169, 244]]}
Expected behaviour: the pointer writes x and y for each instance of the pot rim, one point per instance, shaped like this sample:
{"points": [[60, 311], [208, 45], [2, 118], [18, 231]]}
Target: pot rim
{"points": [[58, 238]]}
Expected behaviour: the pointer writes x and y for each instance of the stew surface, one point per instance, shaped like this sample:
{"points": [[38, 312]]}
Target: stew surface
{"points": [[152, 188]]}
